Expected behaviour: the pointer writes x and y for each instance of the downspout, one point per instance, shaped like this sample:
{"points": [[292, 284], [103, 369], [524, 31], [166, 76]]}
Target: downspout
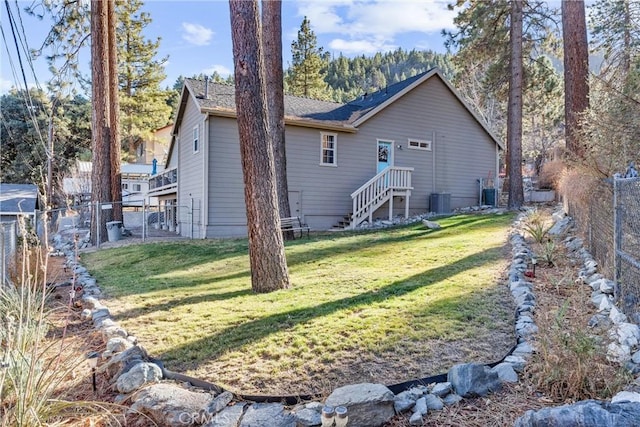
{"points": [[496, 184], [205, 176], [433, 161]]}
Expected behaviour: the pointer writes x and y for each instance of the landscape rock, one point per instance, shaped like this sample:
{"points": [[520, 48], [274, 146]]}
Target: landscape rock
{"points": [[114, 331], [416, 419], [421, 406], [171, 405], [616, 316], [587, 413], [228, 417], [139, 375], [116, 345], [517, 362], [308, 417], [626, 396], [403, 404], [218, 403], [636, 357], [434, 403], [618, 352], [561, 227], [473, 379], [441, 389], [628, 334], [607, 286], [505, 372], [122, 362], [369, 405], [451, 399], [267, 414]]}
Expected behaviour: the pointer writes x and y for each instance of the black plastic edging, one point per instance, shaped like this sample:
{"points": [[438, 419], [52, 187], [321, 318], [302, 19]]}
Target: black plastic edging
{"points": [[297, 398]]}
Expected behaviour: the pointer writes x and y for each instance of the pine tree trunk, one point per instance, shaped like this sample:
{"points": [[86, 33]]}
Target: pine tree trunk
{"points": [[576, 72], [114, 116], [514, 113], [101, 153], [272, 43], [266, 247]]}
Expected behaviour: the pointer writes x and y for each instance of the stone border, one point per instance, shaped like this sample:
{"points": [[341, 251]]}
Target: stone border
{"points": [[137, 377]]}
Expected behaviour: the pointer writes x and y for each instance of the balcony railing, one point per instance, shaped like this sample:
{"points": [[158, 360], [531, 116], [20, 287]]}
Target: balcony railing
{"points": [[166, 180]]}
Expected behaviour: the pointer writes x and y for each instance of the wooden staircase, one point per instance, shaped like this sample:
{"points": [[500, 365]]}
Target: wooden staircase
{"points": [[382, 188]]}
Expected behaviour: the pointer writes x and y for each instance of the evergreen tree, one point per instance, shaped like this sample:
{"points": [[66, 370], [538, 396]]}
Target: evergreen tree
{"points": [[23, 135], [576, 72], [514, 110], [616, 32], [143, 104], [611, 125], [305, 76], [266, 247]]}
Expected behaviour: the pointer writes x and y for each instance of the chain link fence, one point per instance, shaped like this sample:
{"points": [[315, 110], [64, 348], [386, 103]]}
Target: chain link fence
{"points": [[8, 248], [139, 221], [610, 224], [627, 244]]}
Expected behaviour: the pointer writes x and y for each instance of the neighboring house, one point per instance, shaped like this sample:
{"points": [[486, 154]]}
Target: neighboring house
{"points": [[382, 154], [18, 200], [134, 177], [155, 147]]}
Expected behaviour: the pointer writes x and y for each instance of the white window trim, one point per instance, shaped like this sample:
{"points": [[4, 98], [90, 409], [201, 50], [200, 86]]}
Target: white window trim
{"points": [[335, 149], [195, 141], [420, 142]]}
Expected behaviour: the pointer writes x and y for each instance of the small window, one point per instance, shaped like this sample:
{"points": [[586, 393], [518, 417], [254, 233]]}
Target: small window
{"points": [[328, 149], [196, 139], [125, 186], [136, 187], [420, 144]]}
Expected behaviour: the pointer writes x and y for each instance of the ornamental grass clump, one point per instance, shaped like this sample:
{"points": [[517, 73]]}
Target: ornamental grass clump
{"points": [[535, 225], [35, 370]]}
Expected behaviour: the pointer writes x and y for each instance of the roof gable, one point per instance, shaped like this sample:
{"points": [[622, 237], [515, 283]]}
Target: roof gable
{"points": [[382, 99]]}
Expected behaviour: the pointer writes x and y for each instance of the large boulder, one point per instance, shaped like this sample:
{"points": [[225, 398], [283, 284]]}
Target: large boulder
{"points": [[171, 405], [369, 405], [473, 379], [587, 413]]}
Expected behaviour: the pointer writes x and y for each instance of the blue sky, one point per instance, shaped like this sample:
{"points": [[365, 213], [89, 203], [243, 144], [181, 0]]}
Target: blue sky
{"points": [[196, 34]]}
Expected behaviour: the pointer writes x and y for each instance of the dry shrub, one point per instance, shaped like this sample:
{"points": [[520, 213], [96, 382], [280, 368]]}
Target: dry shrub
{"points": [[570, 363], [551, 174], [577, 186]]}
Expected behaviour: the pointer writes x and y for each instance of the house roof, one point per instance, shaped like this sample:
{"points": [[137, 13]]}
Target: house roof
{"points": [[18, 199], [220, 100]]}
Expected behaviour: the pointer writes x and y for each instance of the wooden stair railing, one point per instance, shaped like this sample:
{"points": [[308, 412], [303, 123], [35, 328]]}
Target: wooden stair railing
{"points": [[393, 181]]}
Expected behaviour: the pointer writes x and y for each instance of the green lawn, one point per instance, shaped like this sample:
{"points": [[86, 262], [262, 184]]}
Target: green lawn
{"points": [[377, 306]]}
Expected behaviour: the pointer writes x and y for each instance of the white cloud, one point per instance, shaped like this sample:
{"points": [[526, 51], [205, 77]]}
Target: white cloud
{"points": [[360, 46], [362, 25], [196, 34], [5, 85], [221, 69]]}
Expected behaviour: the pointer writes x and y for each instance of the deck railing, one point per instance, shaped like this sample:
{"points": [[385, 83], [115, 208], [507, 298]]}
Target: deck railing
{"points": [[379, 189], [165, 180]]}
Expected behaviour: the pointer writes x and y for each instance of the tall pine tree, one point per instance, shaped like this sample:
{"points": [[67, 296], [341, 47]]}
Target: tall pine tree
{"points": [[305, 76], [143, 104]]}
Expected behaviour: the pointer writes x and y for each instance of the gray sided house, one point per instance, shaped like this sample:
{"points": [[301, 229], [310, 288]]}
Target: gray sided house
{"points": [[380, 155]]}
